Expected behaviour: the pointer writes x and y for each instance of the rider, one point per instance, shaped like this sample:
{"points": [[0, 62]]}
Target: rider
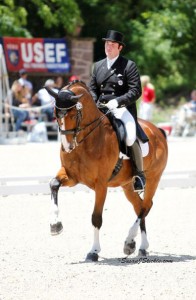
{"points": [[116, 83]]}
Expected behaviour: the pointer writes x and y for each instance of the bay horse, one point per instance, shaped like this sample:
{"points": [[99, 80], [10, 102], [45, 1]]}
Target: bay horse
{"points": [[89, 153]]}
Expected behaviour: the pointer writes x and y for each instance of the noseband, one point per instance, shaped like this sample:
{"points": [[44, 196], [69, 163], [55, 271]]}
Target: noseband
{"points": [[61, 112]]}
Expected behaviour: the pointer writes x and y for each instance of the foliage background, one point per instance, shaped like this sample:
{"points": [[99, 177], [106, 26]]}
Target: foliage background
{"points": [[160, 36]]}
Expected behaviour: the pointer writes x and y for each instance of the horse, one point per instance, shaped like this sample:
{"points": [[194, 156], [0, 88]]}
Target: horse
{"points": [[89, 154]]}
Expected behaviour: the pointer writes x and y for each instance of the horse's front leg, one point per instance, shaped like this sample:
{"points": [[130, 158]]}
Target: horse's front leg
{"points": [[97, 222], [56, 226], [61, 179]]}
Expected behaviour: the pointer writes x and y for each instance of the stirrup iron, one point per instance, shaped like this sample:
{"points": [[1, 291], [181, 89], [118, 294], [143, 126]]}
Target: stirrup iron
{"points": [[138, 183]]}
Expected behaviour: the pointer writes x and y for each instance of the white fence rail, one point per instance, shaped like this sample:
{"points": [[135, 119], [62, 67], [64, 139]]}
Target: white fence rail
{"points": [[40, 184]]}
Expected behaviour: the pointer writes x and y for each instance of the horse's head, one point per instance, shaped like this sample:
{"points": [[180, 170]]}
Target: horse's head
{"points": [[73, 105], [65, 99]]}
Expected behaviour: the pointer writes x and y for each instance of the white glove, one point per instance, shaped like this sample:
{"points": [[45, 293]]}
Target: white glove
{"points": [[112, 104]]}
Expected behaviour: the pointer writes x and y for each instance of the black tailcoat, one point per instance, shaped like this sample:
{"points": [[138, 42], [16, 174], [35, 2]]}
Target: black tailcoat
{"points": [[120, 82]]}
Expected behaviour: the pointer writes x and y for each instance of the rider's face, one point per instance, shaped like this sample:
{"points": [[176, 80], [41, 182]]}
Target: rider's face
{"points": [[112, 49]]}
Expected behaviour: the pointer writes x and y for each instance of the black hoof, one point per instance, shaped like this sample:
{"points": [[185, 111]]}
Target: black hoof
{"points": [[56, 228], [129, 248], [142, 252], [92, 256]]}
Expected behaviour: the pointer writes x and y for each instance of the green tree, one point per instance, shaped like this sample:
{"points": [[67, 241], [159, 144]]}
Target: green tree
{"points": [[166, 41], [39, 18], [13, 20], [160, 37]]}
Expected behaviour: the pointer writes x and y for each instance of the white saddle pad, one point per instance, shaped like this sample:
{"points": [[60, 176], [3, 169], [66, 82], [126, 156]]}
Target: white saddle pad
{"points": [[144, 148]]}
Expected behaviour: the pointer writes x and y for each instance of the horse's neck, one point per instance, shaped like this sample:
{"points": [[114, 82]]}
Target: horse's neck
{"points": [[91, 111], [93, 120]]}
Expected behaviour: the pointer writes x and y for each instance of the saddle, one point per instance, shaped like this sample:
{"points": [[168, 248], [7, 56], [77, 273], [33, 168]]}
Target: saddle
{"points": [[119, 128]]}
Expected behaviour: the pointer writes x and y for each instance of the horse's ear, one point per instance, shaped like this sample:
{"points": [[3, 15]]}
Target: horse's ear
{"points": [[76, 98], [51, 92]]}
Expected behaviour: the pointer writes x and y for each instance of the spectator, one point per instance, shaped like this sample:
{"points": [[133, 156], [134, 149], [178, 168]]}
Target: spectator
{"points": [[59, 83], [26, 83], [192, 103], [19, 100], [147, 99], [74, 77], [46, 100], [187, 113]]}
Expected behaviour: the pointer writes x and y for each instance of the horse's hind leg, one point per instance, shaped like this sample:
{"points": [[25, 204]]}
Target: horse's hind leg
{"points": [[130, 244], [142, 208], [56, 226], [147, 203], [144, 241]]}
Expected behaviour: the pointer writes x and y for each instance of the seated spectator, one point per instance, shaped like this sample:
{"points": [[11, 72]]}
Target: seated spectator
{"points": [[26, 83], [46, 100], [20, 101], [59, 83], [187, 113], [74, 77]]}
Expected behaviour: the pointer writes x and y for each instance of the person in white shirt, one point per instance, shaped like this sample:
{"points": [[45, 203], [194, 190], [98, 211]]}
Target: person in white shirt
{"points": [[46, 100], [26, 83]]}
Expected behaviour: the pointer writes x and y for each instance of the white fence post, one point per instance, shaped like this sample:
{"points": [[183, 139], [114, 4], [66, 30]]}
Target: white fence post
{"points": [[4, 89]]}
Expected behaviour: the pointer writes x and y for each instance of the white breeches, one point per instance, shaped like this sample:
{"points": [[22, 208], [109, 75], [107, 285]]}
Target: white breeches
{"points": [[125, 116]]}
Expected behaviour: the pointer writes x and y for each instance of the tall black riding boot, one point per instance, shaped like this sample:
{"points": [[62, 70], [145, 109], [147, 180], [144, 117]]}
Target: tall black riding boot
{"points": [[139, 178]]}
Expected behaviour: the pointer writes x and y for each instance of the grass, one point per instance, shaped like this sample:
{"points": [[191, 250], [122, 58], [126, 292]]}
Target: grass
{"points": [[163, 115]]}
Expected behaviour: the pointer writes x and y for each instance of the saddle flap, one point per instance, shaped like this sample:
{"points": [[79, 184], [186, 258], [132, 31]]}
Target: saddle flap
{"points": [[119, 128], [141, 134]]}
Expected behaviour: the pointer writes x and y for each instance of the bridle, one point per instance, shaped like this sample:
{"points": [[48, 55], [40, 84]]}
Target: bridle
{"points": [[61, 112]]}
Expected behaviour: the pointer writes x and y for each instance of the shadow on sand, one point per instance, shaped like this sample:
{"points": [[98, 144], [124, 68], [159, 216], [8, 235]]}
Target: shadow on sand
{"points": [[155, 257]]}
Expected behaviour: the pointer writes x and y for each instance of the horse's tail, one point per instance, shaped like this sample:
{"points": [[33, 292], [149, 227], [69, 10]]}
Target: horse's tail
{"points": [[163, 132]]}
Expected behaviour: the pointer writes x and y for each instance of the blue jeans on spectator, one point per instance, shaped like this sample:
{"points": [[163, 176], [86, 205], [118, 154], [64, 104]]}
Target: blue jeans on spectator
{"points": [[49, 113], [20, 116]]}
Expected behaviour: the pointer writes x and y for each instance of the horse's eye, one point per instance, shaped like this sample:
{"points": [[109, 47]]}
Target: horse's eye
{"points": [[72, 117], [61, 113]]}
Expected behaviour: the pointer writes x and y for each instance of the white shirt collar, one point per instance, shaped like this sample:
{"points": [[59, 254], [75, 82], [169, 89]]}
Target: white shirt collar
{"points": [[110, 62]]}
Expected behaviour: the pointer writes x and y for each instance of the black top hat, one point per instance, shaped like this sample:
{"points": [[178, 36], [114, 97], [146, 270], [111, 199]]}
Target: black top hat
{"points": [[114, 36]]}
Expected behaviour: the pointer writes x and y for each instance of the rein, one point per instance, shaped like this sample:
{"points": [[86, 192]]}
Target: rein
{"points": [[78, 129], [98, 119]]}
